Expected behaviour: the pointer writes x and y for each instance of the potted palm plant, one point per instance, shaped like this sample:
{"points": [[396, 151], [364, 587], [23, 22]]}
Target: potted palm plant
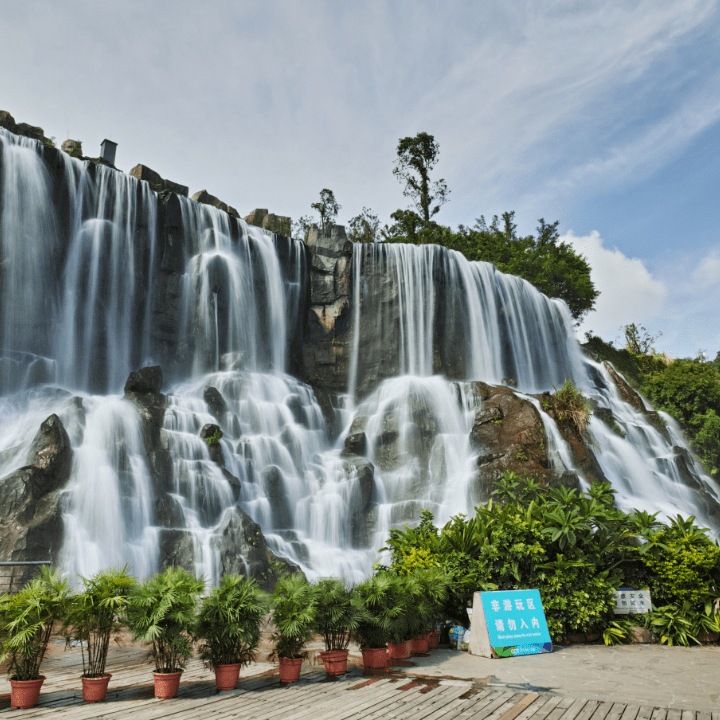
{"points": [[293, 615], [228, 626], [91, 617], [338, 612], [26, 622], [161, 611], [428, 589], [384, 616]]}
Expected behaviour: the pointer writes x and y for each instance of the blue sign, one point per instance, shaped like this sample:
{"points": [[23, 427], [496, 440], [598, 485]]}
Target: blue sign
{"points": [[516, 622]]}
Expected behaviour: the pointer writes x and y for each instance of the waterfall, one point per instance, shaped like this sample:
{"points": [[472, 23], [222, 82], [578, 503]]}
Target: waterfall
{"points": [[101, 276]]}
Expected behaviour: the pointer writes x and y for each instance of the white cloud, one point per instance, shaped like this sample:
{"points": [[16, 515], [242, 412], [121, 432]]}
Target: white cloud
{"points": [[628, 291], [707, 273]]}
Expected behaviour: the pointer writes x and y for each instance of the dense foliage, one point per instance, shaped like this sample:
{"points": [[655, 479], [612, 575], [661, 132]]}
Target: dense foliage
{"points": [[338, 612], [575, 548]]}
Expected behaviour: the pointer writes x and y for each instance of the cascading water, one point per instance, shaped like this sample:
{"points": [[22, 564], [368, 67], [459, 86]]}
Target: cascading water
{"points": [[101, 277], [498, 329]]}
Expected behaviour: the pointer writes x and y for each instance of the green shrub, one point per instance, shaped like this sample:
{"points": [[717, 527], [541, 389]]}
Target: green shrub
{"points": [[92, 616], [338, 612], [161, 611], [26, 621], [294, 602], [228, 623]]}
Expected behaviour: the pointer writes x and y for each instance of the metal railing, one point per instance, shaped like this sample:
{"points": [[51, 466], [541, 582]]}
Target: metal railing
{"points": [[15, 574]]}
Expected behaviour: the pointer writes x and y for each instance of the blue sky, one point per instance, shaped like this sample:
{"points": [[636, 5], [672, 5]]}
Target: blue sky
{"points": [[605, 116]]}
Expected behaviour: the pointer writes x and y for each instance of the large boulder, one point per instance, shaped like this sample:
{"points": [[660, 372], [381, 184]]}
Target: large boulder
{"points": [[203, 196], [241, 548], [156, 182], [31, 524], [509, 435]]}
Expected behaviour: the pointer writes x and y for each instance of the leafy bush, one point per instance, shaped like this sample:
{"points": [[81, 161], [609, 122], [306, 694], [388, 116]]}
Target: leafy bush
{"points": [[569, 408], [228, 623], [576, 548], [385, 610], [338, 612], [26, 621], [161, 611], [294, 602], [92, 615]]}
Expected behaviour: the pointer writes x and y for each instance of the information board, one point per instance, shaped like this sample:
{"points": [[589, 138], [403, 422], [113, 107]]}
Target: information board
{"points": [[628, 601], [516, 623]]}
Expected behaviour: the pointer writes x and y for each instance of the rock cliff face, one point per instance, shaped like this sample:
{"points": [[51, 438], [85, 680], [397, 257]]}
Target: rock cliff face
{"points": [[327, 340], [31, 523]]}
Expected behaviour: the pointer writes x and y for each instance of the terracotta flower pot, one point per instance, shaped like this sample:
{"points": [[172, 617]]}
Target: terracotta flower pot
{"points": [[375, 658], [166, 684], [335, 661], [290, 669], [396, 651], [434, 639], [227, 676], [419, 644], [25, 693], [95, 689]]}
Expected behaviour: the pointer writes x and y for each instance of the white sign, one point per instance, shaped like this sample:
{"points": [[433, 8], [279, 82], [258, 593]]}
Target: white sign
{"points": [[632, 601]]}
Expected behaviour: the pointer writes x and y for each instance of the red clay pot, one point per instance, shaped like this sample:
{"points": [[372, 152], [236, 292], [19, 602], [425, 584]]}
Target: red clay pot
{"points": [[434, 640], [227, 676], [419, 644], [400, 650], [375, 658], [166, 684], [25, 693], [335, 661], [290, 669], [95, 689]]}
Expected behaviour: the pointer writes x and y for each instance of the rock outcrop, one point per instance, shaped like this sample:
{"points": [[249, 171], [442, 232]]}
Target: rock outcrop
{"points": [[31, 524], [157, 183], [260, 217], [327, 343], [509, 435], [203, 196]]}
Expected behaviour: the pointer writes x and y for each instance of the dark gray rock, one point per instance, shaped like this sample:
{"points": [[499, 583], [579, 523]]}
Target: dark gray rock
{"points": [[31, 524], [274, 482], [241, 548], [215, 402], [356, 443], [209, 432], [145, 380]]}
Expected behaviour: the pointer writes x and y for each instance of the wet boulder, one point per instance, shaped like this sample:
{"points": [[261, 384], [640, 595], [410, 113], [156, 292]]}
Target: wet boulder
{"points": [[31, 523]]}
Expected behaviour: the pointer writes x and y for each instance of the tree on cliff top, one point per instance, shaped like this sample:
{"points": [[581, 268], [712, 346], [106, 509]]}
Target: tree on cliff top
{"points": [[416, 158], [327, 208]]}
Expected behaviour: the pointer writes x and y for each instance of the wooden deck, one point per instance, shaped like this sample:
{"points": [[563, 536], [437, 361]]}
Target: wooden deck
{"points": [[260, 696]]}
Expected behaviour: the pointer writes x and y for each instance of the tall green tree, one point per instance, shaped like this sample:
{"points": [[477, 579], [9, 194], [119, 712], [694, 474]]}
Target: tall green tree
{"points": [[364, 227], [327, 207], [417, 156]]}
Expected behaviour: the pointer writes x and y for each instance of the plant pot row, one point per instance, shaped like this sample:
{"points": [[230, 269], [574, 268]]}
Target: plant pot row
{"points": [[25, 693]]}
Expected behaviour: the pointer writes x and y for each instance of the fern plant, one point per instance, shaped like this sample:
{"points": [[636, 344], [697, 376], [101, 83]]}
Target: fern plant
{"points": [[26, 621], [338, 613], [92, 615], [294, 602], [161, 611], [228, 623]]}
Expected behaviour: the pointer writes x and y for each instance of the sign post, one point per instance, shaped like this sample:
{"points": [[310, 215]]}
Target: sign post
{"points": [[508, 623]]}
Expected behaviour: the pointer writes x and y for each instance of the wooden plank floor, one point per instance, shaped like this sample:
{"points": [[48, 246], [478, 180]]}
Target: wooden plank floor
{"points": [[260, 696]]}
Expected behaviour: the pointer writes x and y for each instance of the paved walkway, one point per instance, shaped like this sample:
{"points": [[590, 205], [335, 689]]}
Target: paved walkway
{"points": [[581, 683]]}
